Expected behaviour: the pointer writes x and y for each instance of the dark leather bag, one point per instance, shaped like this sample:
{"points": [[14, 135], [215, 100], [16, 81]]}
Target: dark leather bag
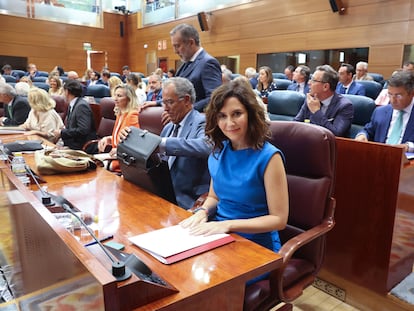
{"points": [[23, 145], [142, 165]]}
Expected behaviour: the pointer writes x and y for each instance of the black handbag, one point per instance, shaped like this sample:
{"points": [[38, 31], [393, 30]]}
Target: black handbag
{"points": [[142, 165], [23, 145]]}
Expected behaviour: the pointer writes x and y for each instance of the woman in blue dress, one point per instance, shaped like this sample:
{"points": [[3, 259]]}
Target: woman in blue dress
{"points": [[248, 191]]}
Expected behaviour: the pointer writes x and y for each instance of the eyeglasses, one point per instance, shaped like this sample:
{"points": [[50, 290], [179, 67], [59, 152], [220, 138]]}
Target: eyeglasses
{"points": [[320, 81], [397, 96], [170, 102]]}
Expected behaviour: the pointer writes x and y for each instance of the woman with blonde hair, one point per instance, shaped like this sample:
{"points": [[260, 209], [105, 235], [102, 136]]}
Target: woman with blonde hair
{"points": [[42, 119], [265, 84], [55, 86], [113, 82], [126, 111]]}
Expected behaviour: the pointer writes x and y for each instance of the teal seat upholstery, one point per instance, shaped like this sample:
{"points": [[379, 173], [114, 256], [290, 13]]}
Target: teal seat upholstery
{"points": [[363, 109], [284, 105]]}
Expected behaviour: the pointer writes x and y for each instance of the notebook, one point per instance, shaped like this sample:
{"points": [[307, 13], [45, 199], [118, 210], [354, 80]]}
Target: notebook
{"points": [[172, 244]]}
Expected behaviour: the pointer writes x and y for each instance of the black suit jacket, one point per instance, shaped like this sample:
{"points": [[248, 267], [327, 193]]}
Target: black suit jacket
{"points": [[80, 126], [17, 112]]}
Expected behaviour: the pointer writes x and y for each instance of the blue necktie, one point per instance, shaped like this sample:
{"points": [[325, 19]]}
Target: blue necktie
{"points": [[396, 131]]}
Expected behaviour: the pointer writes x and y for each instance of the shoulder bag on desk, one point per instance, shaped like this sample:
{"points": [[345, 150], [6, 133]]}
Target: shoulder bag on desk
{"points": [[141, 165], [58, 161]]}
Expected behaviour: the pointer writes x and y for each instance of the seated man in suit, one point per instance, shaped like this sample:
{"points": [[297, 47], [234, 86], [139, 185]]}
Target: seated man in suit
{"points": [[394, 124], [80, 126], [301, 77], [184, 143], [199, 67], [251, 74], [361, 72], [8, 70], [323, 106], [346, 85], [154, 96], [16, 108], [32, 71]]}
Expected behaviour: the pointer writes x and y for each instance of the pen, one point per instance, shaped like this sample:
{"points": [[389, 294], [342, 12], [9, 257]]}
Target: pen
{"points": [[100, 240]]}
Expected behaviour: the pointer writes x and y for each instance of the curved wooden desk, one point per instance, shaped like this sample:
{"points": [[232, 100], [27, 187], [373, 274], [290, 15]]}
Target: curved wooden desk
{"points": [[214, 280]]}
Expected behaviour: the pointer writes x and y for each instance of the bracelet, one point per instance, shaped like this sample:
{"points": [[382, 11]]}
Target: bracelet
{"points": [[200, 209]]}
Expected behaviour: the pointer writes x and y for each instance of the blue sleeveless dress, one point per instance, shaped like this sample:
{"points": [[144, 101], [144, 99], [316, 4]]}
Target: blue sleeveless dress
{"points": [[238, 180]]}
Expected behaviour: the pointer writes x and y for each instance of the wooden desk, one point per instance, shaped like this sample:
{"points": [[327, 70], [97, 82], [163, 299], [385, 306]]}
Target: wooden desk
{"points": [[371, 243], [214, 280]]}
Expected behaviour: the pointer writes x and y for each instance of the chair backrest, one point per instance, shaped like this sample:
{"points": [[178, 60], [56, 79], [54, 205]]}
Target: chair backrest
{"points": [[96, 113], [310, 153], [150, 119], [61, 105], [115, 74], [372, 88], [108, 117], [9, 78], [21, 73], [42, 85], [363, 108], [43, 73], [282, 84], [279, 75], [39, 79], [377, 77], [310, 160], [284, 105], [98, 91]]}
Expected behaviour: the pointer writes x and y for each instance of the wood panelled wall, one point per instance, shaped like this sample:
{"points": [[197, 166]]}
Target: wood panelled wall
{"points": [[262, 26], [48, 44]]}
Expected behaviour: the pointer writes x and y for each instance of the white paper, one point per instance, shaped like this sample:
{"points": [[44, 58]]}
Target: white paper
{"points": [[169, 241]]}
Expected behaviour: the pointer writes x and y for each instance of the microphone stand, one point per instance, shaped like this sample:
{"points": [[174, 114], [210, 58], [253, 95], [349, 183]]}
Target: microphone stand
{"points": [[119, 270]]}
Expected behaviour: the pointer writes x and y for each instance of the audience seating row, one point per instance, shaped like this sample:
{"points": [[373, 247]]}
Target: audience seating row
{"points": [[284, 106]]}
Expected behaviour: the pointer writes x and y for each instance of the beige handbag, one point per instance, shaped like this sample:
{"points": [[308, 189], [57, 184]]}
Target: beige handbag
{"points": [[58, 161]]}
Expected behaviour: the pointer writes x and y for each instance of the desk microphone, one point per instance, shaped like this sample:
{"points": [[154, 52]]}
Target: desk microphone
{"points": [[46, 198], [119, 270]]}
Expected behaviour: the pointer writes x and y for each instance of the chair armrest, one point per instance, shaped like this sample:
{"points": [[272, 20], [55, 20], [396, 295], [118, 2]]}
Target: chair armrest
{"points": [[295, 243], [88, 143]]}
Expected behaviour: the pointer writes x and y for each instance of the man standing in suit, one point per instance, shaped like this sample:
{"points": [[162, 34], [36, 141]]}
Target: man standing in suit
{"points": [[394, 124], [323, 106], [16, 108], [301, 77], [184, 144], [80, 126], [346, 85], [199, 67]]}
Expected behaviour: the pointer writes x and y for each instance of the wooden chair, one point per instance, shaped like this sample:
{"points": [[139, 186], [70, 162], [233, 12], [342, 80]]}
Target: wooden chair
{"points": [[310, 156]]}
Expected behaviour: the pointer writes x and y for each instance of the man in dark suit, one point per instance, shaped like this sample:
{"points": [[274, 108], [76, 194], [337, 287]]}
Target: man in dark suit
{"points": [[80, 126], [346, 85], [8, 70], [184, 147], [301, 77], [16, 108], [394, 123], [323, 106], [199, 67], [154, 96]]}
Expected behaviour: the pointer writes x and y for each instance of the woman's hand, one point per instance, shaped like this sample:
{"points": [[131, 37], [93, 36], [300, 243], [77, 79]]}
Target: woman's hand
{"points": [[194, 220], [209, 228], [103, 143]]}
